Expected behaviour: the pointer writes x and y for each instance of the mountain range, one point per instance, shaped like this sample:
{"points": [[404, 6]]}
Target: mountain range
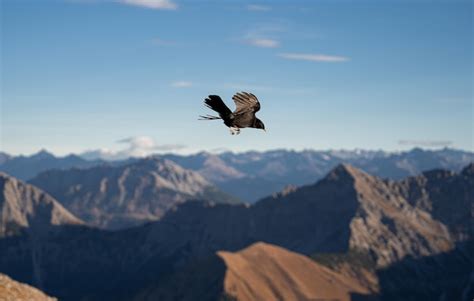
{"points": [[398, 229], [26, 167], [251, 176]]}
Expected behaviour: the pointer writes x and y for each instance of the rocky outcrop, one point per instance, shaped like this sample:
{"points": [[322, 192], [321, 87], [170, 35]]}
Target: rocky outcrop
{"points": [[11, 290]]}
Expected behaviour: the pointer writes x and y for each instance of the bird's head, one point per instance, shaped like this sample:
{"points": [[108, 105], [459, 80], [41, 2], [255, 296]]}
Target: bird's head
{"points": [[259, 125]]}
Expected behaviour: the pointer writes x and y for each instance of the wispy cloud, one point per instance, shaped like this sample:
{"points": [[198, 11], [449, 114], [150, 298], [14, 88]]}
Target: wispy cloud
{"points": [[263, 36], [152, 4], [182, 84], [257, 7], [426, 143], [314, 57], [138, 146], [263, 42]]}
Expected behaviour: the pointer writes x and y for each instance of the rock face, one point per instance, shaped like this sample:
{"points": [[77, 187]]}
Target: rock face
{"points": [[10, 290], [442, 193], [259, 272], [348, 210], [114, 197], [23, 206]]}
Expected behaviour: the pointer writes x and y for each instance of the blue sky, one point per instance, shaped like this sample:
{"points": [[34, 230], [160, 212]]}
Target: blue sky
{"points": [[131, 75]]}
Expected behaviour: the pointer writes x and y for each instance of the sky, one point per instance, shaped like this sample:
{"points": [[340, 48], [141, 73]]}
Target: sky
{"points": [[130, 76]]}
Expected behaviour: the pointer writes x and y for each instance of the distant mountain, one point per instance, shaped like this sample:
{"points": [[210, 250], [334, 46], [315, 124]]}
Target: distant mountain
{"points": [[23, 206], [4, 157], [114, 197], [259, 272], [253, 175], [16, 291], [26, 167], [347, 212]]}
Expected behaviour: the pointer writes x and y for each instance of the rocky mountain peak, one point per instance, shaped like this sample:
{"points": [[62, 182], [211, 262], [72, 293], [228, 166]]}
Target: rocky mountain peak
{"points": [[344, 171], [43, 154], [23, 206]]}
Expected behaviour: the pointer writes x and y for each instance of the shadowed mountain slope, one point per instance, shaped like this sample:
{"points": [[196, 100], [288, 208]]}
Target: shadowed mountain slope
{"points": [[442, 193]]}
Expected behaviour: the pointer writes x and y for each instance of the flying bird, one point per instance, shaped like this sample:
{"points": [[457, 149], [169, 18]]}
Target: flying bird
{"points": [[246, 104]]}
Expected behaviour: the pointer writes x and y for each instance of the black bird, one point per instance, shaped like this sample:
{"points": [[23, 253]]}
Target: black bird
{"points": [[244, 115]]}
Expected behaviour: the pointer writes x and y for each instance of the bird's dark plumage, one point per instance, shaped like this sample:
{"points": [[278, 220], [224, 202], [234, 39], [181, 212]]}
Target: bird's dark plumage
{"points": [[246, 104]]}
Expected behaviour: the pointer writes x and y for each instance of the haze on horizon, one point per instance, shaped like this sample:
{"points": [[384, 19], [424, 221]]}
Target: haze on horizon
{"points": [[81, 75]]}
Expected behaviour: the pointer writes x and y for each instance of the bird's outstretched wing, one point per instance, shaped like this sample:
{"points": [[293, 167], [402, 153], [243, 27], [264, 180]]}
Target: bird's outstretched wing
{"points": [[245, 103]]}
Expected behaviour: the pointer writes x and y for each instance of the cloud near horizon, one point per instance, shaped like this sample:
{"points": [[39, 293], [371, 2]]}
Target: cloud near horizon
{"points": [[313, 57], [152, 4], [138, 146]]}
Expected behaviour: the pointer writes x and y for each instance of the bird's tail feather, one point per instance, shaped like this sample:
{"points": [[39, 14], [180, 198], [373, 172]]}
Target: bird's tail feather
{"points": [[215, 103], [209, 117]]}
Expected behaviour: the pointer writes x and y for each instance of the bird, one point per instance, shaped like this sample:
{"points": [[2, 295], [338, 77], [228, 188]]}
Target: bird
{"points": [[246, 105]]}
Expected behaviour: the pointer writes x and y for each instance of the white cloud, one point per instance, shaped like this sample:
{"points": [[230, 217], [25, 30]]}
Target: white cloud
{"points": [[426, 143], [263, 42], [182, 84], [138, 146], [257, 7], [153, 4], [263, 35], [313, 57]]}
